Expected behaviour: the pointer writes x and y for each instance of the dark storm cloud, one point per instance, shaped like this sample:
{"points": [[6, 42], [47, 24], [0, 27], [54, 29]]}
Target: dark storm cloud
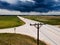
{"points": [[37, 6]]}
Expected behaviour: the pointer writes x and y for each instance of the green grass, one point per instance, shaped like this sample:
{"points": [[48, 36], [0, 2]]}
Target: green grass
{"points": [[53, 20], [10, 21], [17, 39]]}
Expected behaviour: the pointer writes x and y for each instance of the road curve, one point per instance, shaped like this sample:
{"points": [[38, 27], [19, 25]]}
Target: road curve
{"points": [[48, 33]]}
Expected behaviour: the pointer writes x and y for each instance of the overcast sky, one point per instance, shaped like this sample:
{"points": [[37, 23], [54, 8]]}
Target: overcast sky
{"points": [[30, 7]]}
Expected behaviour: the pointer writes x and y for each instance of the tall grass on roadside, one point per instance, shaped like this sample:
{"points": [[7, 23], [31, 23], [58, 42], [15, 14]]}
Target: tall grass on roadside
{"points": [[17, 39]]}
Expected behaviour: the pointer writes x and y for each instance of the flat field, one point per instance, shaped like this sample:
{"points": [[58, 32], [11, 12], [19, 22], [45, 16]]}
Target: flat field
{"points": [[17, 39], [53, 20], [10, 21]]}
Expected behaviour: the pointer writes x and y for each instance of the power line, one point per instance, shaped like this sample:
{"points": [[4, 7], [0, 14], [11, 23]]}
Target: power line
{"points": [[49, 38], [53, 28]]}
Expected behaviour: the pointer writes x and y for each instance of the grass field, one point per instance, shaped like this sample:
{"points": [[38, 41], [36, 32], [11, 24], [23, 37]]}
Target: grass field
{"points": [[17, 39], [53, 20], [10, 21]]}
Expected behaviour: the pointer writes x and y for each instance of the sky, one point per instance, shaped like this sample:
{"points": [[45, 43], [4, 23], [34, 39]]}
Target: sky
{"points": [[30, 6]]}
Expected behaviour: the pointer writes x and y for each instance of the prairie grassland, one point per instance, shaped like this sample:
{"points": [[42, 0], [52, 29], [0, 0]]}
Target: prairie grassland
{"points": [[17, 39], [53, 20], [10, 21]]}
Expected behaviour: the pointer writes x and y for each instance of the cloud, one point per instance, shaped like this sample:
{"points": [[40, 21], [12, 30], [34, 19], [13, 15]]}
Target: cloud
{"points": [[52, 13], [10, 1], [8, 12], [30, 5]]}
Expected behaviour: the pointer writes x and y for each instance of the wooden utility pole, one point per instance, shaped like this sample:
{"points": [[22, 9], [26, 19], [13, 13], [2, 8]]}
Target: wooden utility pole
{"points": [[38, 26]]}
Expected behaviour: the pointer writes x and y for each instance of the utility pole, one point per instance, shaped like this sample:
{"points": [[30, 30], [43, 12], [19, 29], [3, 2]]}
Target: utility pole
{"points": [[38, 26]]}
